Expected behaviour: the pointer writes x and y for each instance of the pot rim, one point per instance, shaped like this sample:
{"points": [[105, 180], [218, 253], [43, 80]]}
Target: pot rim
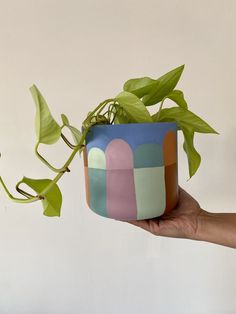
{"points": [[137, 123]]}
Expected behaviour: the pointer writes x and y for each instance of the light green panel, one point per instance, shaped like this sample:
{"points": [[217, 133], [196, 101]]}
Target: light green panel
{"points": [[96, 158], [150, 191], [97, 190]]}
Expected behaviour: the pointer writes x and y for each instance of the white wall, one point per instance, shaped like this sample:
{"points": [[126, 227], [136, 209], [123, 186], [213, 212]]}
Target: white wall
{"points": [[79, 53]]}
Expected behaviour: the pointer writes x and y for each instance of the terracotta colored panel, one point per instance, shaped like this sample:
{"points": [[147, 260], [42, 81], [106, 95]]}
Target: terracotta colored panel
{"points": [[170, 148], [87, 185], [85, 156], [171, 182]]}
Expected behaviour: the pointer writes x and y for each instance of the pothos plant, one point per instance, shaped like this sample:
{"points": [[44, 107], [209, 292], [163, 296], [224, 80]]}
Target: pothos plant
{"points": [[129, 106]]}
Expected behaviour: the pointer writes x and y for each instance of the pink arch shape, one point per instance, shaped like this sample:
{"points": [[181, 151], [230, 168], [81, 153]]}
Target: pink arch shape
{"points": [[119, 155], [120, 188]]}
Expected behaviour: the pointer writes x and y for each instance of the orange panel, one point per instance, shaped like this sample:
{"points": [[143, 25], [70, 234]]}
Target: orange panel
{"points": [[86, 177], [170, 148], [85, 156], [171, 183]]}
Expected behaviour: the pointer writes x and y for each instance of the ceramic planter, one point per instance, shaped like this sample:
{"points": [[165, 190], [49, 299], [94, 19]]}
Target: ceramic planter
{"points": [[131, 169]]}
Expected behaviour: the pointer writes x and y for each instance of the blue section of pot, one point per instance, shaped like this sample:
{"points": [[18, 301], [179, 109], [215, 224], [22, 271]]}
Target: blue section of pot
{"points": [[133, 133]]}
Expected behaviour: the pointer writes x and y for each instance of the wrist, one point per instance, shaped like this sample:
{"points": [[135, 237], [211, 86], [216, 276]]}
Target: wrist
{"points": [[204, 220], [218, 228]]}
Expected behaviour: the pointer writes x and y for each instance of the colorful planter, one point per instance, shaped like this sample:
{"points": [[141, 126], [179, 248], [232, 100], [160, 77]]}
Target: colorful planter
{"points": [[131, 169]]}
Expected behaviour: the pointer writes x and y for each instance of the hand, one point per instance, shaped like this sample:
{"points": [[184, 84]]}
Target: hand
{"points": [[181, 222]]}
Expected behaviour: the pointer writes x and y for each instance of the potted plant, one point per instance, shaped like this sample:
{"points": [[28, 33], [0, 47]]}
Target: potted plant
{"points": [[130, 155]]}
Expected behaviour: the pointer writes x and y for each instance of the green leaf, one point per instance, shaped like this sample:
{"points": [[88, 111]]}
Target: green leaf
{"points": [[178, 97], [194, 158], [121, 116], [163, 86], [75, 133], [121, 119], [139, 86], [181, 115], [52, 199], [64, 119], [134, 107], [47, 129]]}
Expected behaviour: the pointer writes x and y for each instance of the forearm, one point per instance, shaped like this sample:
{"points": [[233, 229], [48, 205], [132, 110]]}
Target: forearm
{"points": [[219, 228]]}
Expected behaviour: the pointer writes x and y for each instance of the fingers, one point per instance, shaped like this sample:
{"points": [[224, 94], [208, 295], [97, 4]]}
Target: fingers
{"points": [[182, 191], [133, 222]]}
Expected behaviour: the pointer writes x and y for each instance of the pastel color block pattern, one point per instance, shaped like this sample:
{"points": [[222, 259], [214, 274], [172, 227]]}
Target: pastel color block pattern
{"points": [[121, 201], [131, 170]]}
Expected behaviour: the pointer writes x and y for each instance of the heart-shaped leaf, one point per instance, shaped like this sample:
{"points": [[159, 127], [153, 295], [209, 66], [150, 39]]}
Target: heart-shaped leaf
{"points": [[184, 116], [189, 123], [64, 119], [194, 158], [121, 119], [47, 129], [120, 116], [52, 199], [75, 133], [139, 86], [163, 86], [178, 97], [134, 107]]}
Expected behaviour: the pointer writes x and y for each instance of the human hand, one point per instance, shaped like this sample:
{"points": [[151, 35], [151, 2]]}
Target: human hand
{"points": [[181, 222]]}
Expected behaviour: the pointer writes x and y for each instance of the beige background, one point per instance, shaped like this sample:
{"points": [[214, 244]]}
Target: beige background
{"points": [[79, 53]]}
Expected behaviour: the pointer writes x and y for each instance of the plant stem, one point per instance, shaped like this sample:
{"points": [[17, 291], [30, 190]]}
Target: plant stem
{"points": [[76, 149], [45, 161], [38, 197], [159, 111], [59, 174], [72, 146], [18, 200], [103, 106], [67, 142], [99, 106], [28, 195], [60, 171]]}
